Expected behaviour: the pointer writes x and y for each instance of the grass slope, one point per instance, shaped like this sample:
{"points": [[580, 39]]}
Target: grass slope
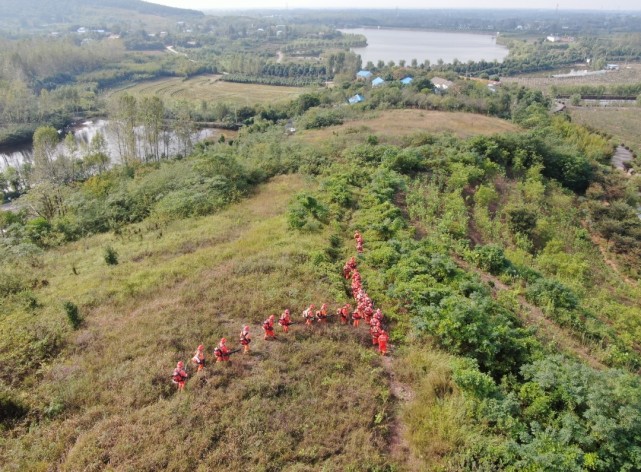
{"points": [[210, 88], [313, 400], [391, 125]]}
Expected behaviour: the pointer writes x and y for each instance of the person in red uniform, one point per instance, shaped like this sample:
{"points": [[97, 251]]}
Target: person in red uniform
{"points": [[222, 351], [245, 339], [199, 357], [321, 315], [179, 377], [309, 315], [367, 312], [359, 241], [356, 278], [285, 320], [378, 315], [356, 316], [268, 327], [383, 338], [349, 267], [343, 312], [375, 331]]}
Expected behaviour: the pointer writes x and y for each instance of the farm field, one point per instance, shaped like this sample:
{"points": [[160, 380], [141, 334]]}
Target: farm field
{"points": [[623, 124], [391, 125], [628, 74], [211, 88]]}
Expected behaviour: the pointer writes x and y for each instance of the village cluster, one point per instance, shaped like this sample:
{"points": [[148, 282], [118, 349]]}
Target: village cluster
{"points": [[364, 310]]}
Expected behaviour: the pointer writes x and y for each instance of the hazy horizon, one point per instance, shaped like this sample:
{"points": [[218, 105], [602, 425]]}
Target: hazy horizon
{"points": [[599, 5]]}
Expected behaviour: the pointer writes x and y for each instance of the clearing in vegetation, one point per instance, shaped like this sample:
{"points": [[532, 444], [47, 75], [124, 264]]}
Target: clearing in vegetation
{"points": [[211, 88], [108, 399], [392, 124]]}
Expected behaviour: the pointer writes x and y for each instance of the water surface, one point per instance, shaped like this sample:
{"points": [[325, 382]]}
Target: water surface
{"points": [[396, 44]]}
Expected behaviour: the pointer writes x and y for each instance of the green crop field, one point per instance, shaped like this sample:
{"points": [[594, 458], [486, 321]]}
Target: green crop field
{"points": [[622, 124], [628, 74], [211, 88]]}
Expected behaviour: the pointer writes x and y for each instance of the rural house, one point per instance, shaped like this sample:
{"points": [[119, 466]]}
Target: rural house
{"points": [[441, 83], [358, 98]]}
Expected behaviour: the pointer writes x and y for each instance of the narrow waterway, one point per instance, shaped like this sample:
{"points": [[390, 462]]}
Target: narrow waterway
{"points": [[85, 131]]}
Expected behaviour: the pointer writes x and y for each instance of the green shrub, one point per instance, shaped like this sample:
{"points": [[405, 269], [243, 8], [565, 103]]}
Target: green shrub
{"points": [[73, 315], [11, 283], [467, 376], [551, 295], [490, 258], [306, 212], [322, 118], [521, 220], [111, 256], [10, 408]]}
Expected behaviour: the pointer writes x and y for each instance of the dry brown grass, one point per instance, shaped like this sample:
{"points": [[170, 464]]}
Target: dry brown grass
{"points": [[391, 125]]}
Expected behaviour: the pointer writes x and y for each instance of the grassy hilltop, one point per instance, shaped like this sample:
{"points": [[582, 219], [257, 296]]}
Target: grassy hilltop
{"points": [[495, 254]]}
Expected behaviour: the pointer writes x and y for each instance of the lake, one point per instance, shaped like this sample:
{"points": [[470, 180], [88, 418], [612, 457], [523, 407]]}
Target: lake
{"points": [[394, 45]]}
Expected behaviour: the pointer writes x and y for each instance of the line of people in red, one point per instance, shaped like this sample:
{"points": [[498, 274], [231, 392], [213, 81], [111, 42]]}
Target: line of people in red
{"points": [[364, 311], [364, 305]]}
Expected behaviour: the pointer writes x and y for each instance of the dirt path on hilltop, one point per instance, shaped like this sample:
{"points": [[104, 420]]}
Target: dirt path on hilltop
{"points": [[399, 448]]}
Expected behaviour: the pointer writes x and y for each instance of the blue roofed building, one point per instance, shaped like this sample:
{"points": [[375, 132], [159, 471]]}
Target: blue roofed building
{"points": [[358, 98], [407, 80], [377, 81], [363, 75]]}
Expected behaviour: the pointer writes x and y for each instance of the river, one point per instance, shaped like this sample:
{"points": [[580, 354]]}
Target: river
{"points": [[395, 44], [84, 132]]}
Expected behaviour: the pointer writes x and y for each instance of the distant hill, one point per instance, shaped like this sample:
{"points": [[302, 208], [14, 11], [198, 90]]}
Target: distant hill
{"points": [[34, 14]]}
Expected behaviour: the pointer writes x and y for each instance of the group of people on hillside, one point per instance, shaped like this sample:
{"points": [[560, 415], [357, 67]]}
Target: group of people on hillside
{"points": [[364, 311]]}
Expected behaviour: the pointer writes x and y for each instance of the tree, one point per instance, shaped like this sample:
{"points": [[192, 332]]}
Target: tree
{"points": [[123, 116], [184, 128], [97, 159], [45, 142], [152, 117]]}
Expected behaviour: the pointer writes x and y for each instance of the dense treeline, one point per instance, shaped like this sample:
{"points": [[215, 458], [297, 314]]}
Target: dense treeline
{"points": [[619, 90], [283, 81], [539, 22]]}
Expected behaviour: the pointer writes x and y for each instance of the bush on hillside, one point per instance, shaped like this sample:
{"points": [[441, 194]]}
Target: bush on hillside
{"points": [[306, 213], [322, 118], [490, 258], [73, 315], [111, 256], [551, 295], [10, 408]]}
